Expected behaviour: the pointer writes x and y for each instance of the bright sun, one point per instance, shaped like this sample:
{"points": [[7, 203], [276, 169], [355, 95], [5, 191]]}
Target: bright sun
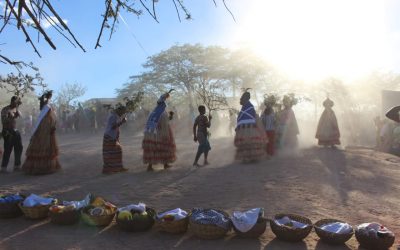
{"points": [[313, 39]]}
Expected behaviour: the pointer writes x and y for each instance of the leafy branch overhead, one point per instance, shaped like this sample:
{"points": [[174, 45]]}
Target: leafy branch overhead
{"points": [[31, 16]]}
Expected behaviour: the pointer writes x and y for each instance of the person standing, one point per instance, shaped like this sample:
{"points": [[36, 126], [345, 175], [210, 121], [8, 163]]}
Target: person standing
{"points": [[158, 143], [200, 134], [269, 122], [42, 151], [249, 139], [328, 133], [11, 135], [112, 150], [288, 128]]}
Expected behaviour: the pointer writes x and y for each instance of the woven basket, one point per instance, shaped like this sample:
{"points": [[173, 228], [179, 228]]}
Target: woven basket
{"points": [[291, 234], [208, 231], [97, 221], [374, 243], [173, 227], [256, 231], [10, 210], [64, 218], [36, 212], [138, 225], [330, 237]]}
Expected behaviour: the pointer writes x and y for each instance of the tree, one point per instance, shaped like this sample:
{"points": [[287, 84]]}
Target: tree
{"points": [[69, 92], [31, 15], [199, 74]]}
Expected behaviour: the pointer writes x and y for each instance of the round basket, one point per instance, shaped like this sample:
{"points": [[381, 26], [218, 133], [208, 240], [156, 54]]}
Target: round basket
{"points": [[138, 224], [208, 231], [291, 234], [373, 243], [64, 218], [173, 227], [256, 231], [97, 221], [36, 212], [10, 210], [330, 237]]}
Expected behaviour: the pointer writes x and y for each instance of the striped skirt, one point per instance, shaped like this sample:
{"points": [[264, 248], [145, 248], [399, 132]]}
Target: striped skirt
{"points": [[112, 155]]}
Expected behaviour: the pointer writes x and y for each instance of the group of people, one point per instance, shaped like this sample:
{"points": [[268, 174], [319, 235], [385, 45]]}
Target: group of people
{"points": [[277, 128], [255, 136], [42, 151]]}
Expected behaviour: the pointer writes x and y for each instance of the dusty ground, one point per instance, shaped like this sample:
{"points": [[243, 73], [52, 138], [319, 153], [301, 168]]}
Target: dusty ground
{"points": [[356, 185]]}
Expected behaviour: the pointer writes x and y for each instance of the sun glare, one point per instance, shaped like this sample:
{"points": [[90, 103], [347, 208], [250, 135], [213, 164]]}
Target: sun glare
{"points": [[313, 39]]}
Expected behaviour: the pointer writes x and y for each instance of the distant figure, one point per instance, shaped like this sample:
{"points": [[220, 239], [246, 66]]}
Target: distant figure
{"points": [[288, 128], [158, 142], [112, 150], [232, 121], [269, 123], [11, 136], [42, 151], [249, 139], [386, 136], [200, 134], [328, 133]]}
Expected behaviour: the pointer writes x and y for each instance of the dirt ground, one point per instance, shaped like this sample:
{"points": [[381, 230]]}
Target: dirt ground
{"points": [[356, 185]]}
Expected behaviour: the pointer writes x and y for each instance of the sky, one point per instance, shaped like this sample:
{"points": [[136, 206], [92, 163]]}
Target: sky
{"points": [[306, 39]]}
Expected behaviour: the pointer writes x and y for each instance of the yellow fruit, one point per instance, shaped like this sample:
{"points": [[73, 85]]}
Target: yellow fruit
{"points": [[125, 215]]}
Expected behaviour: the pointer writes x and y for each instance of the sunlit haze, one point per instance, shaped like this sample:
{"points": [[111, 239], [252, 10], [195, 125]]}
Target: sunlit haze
{"points": [[313, 39]]}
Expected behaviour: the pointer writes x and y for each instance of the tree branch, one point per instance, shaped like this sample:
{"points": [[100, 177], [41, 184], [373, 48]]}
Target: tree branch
{"points": [[103, 23]]}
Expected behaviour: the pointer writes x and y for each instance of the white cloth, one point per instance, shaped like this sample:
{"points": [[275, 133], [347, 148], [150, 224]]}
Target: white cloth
{"points": [[141, 207], [35, 200], [337, 227], [177, 213], [46, 108], [244, 221], [286, 221], [79, 204]]}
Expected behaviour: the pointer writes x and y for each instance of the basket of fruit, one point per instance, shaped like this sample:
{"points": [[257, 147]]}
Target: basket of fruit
{"points": [[374, 236], [36, 207], [172, 221], [252, 231], [135, 220], [291, 227], [63, 215], [9, 205], [333, 231], [209, 223], [99, 213]]}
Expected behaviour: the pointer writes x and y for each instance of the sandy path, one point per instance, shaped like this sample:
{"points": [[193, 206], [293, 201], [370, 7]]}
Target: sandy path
{"points": [[357, 185]]}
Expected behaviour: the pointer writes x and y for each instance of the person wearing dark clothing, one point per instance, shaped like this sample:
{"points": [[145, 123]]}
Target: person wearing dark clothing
{"points": [[11, 136]]}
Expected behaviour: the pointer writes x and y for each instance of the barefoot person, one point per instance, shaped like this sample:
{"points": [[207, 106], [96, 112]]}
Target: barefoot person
{"points": [[250, 139], [158, 142], [200, 126], [328, 133], [112, 150], [42, 152], [11, 136]]}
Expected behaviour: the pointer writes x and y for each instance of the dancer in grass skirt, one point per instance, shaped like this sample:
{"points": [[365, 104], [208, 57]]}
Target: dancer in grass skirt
{"points": [[328, 133], [250, 139], [158, 142]]}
